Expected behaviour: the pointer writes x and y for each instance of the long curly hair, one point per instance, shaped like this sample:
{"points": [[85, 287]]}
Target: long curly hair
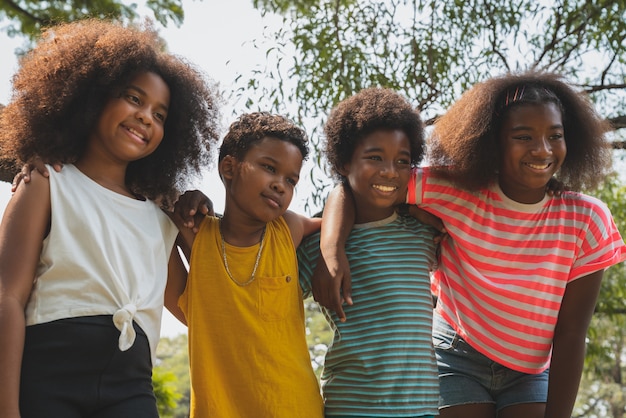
{"points": [[63, 84], [250, 128], [370, 110], [465, 145]]}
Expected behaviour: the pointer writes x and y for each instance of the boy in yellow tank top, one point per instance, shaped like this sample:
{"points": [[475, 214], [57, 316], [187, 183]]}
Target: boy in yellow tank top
{"points": [[241, 300]]}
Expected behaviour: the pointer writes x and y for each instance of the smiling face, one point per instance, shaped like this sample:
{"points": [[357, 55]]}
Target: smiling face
{"points": [[260, 186], [533, 149], [378, 174], [131, 124]]}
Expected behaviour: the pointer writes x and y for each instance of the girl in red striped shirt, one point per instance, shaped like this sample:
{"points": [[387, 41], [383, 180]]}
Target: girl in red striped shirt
{"points": [[521, 269]]}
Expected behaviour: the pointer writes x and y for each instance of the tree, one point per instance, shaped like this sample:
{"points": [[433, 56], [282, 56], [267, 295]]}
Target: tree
{"points": [[29, 17], [602, 392], [434, 50], [172, 374], [431, 51]]}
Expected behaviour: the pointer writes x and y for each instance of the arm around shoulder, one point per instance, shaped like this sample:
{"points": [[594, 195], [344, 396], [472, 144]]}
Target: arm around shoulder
{"points": [[176, 283], [301, 226], [24, 226]]}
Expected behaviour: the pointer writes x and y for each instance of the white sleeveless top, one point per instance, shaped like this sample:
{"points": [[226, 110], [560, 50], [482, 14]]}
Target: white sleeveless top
{"points": [[106, 254]]}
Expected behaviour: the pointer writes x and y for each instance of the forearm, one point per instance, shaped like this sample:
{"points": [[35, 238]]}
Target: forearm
{"points": [[568, 344], [565, 371], [12, 329], [337, 221]]}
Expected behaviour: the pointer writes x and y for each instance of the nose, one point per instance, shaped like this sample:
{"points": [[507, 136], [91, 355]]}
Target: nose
{"points": [[542, 146], [144, 114], [389, 170], [278, 185]]}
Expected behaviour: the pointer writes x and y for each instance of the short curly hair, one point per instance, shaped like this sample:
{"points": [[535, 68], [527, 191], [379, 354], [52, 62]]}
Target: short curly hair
{"points": [[63, 84], [370, 110], [464, 146], [253, 127]]}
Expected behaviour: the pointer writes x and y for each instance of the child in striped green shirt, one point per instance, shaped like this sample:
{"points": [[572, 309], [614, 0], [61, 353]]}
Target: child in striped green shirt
{"points": [[381, 363]]}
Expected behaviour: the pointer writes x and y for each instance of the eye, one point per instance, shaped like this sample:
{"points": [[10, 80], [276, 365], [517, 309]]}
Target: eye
{"points": [[403, 161], [132, 98], [269, 168], [523, 137], [292, 181], [556, 136], [374, 158], [159, 116]]}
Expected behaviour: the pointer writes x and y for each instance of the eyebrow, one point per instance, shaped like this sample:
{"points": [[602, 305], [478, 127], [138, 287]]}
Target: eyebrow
{"points": [[527, 128], [379, 149]]}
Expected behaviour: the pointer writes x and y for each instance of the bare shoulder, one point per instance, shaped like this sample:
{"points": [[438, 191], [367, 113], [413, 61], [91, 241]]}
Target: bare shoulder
{"points": [[32, 195], [301, 226]]}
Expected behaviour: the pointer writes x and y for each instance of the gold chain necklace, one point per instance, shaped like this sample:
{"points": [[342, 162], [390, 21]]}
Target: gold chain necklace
{"points": [[256, 262]]}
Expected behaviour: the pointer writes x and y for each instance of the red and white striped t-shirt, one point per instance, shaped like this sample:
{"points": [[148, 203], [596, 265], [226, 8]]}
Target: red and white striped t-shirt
{"points": [[505, 266]]}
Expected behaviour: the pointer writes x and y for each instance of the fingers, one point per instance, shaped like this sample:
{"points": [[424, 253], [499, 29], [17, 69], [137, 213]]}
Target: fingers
{"points": [[437, 239], [191, 207], [16, 181], [208, 208], [337, 299], [22, 176], [326, 289], [346, 287], [197, 220], [555, 187], [320, 284]]}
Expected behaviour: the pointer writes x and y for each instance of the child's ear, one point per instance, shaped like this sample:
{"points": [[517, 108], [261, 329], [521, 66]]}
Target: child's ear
{"points": [[344, 170], [227, 167]]}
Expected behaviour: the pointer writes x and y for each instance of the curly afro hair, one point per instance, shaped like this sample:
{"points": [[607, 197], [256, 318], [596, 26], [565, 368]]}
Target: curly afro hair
{"points": [[464, 146], [253, 127], [64, 82], [370, 110]]}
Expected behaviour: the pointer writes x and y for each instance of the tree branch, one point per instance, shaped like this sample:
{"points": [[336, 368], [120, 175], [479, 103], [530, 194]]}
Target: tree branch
{"points": [[24, 12]]}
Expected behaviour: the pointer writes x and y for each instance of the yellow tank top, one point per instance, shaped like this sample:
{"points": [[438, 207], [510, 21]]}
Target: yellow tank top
{"points": [[247, 348]]}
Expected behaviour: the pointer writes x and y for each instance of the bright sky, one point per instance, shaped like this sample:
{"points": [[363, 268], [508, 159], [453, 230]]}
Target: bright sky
{"points": [[217, 36]]}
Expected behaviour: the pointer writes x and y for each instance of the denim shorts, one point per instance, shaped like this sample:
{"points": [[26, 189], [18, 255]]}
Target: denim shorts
{"points": [[469, 377]]}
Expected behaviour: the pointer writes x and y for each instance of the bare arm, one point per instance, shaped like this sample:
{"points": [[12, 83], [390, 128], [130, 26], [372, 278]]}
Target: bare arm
{"points": [[24, 225], [176, 282], [25, 173], [332, 284], [301, 226], [191, 208], [568, 352]]}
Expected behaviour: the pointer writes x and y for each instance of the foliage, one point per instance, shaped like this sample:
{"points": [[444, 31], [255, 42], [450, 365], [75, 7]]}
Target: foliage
{"points": [[318, 334], [29, 17], [602, 391], [163, 383], [173, 357], [431, 51]]}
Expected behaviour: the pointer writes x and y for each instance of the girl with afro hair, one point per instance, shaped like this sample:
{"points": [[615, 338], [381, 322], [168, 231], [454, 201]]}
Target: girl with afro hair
{"points": [[84, 252], [520, 270]]}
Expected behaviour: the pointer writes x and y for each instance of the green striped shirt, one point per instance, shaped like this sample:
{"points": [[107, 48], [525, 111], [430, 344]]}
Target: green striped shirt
{"points": [[381, 361]]}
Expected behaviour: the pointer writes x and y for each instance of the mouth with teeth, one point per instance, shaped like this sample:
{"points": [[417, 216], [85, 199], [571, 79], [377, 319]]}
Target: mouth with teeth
{"points": [[543, 166], [136, 133], [385, 189]]}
